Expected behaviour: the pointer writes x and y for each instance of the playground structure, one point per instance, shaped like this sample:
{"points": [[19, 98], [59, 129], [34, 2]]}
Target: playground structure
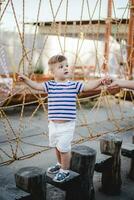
{"points": [[89, 64]]}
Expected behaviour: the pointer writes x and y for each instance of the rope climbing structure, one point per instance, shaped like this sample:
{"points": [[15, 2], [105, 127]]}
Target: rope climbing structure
{"points": [[22, 108]]}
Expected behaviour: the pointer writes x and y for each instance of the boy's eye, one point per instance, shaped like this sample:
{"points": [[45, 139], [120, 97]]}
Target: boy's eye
{"points": [[61, 66]]}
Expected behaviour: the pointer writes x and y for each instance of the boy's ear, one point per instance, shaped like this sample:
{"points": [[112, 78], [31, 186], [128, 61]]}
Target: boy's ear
{"points": [[50, 72]]}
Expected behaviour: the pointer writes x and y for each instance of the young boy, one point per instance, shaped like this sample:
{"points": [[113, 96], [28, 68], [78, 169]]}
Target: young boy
{"points": [[123, 84], [62, 110]]}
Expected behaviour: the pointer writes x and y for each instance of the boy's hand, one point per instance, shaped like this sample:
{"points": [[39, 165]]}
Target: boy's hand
{"points": [[31, 83], [21, 77], [106, 80]]}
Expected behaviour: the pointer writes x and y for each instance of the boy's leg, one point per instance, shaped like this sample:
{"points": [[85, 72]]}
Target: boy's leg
{"points": [[55, 169], [58, 155], [65, 160], [65, 136], [63, 173]]}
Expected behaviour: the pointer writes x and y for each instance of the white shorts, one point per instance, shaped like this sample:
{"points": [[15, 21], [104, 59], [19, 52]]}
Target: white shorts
{"points": [[61, 135]]}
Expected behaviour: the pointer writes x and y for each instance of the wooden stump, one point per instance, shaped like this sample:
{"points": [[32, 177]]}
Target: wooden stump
{"points": [[80, 183], [70, 184], [128, 151], [83, 162], [131, 172], [103, 162], [110, 144], [31, 179], [78, 186]]}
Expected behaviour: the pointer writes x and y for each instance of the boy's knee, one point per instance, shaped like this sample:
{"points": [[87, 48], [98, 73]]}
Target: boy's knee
{"points": [[63, 149]]}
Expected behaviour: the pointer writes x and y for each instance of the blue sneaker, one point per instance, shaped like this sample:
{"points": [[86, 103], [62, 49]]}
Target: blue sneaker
{"points": [[61, 176], [54, 169]]}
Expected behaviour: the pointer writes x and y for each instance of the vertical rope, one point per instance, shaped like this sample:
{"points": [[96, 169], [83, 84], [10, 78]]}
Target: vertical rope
{"points": [[53, 24], [21, 39], [35, 34], [65, 25], [23, 34], [77, 48], [1, 15]]}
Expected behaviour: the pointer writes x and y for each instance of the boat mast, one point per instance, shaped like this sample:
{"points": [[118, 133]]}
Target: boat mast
{"points": [[105, 67], [130, 42]]}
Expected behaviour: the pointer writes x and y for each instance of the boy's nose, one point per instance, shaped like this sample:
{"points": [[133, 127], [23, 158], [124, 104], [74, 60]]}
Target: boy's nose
{"points": [[66, 66]]}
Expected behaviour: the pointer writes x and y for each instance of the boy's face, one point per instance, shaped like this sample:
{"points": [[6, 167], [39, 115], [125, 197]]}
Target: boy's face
{"points": [[61, 71]]}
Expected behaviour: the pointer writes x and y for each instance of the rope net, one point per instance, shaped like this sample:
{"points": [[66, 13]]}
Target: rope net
{"points": [[23, 111]]}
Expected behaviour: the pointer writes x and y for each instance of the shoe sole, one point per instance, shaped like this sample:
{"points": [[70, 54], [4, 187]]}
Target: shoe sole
{"points": [[62, 180], [53, 172]]}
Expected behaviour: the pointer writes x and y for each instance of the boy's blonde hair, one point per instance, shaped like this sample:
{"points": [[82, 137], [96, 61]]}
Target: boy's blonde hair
{"points": [[55, 59]]}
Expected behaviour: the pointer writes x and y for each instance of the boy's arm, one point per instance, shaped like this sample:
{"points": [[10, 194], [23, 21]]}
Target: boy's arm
{"points": [[90, 85], [32, 84], [123, 84]]}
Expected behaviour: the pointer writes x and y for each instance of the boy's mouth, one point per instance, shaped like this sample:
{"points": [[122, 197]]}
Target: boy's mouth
{"points": [[65, 73]]}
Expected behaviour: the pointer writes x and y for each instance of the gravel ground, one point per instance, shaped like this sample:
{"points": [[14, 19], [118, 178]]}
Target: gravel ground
{"points": [[33, 131]]}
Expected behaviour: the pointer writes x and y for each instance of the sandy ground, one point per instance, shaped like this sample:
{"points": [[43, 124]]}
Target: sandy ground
{"points": [[32, 129]]}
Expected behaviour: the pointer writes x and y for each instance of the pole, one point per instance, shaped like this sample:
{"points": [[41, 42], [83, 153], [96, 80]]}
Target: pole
{"points": [[107, 36], [130, 46]]}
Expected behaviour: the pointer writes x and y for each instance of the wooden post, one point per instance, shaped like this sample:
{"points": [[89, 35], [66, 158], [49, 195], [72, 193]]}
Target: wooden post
{"points": [[130, 42], [32, 180], [70, 185], [107, 36], [131, 172], [83, 162], [103, 162], [110, 144]]}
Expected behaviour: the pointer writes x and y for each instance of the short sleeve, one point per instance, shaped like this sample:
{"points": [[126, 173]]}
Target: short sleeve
{"points": [[45, 86], [79, 87]]}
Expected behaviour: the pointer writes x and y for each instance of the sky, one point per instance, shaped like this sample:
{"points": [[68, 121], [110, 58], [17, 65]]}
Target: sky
{"points": [[92, 9]]}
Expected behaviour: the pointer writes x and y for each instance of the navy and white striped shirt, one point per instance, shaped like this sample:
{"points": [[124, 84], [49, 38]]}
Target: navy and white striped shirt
{"points": [[62, 99]]}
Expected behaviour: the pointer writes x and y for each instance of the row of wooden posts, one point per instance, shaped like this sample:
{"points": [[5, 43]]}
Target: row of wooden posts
{"points": [[83, 163]]}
